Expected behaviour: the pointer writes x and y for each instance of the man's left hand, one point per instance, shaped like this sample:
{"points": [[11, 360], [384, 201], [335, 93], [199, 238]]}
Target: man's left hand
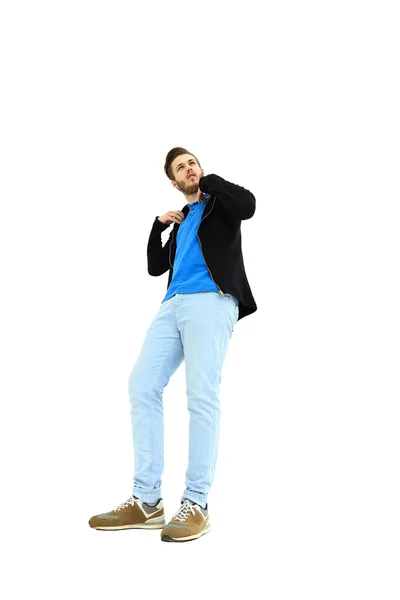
{"points": [[199, 196]]}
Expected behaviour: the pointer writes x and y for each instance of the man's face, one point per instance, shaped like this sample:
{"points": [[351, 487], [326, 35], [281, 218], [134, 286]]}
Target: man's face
{"points": [[187, 173]]}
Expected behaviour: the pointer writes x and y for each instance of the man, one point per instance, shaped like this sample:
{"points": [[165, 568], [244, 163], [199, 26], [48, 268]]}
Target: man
{"points": [[207, 293]]}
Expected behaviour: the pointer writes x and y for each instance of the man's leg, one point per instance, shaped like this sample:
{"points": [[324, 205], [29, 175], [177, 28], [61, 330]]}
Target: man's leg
{"points": [[205, 321], [160, 357]]}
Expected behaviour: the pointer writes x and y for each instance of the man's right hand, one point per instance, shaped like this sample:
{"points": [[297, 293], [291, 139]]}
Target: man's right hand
{"points": [[172, 216]]}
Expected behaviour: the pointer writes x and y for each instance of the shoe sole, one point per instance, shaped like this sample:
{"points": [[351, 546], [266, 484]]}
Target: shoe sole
{"points": [[138, 526], [157, 523], [189, 538]]}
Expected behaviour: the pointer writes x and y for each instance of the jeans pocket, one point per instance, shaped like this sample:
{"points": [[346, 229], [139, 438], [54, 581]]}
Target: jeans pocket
{"points": [[234, 309], [233, 298]]}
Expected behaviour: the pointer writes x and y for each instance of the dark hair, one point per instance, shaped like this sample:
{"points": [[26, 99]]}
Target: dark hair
{"points": [[172, 154]]}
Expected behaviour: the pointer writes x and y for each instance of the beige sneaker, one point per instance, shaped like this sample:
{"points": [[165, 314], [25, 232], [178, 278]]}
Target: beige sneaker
{"points": [[132, 514], [190, 522]]}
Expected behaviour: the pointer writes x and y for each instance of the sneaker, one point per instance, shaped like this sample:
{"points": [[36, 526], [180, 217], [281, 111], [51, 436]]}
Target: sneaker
{"points": [[132, 514], [189, 523]]}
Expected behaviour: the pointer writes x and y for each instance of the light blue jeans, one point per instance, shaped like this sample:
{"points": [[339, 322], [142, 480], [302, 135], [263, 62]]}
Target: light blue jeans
{"points": [[195, 328]]}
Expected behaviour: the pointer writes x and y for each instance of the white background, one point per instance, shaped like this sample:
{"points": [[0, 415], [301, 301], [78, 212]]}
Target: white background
{"points": [[297, 102]]}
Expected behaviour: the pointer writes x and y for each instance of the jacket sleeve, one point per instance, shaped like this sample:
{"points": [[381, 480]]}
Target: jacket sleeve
{"points": [[157, 255], [236, 200]]}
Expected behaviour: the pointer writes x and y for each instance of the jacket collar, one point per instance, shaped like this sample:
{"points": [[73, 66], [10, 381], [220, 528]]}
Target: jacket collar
{"points": [[208, 208]]}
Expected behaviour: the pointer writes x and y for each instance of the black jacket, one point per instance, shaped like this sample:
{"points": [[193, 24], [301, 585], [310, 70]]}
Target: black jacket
{"points": [[220, 240]]}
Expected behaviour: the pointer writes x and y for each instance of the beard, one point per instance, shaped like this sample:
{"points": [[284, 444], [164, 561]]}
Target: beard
{"points": [[188, 186]]}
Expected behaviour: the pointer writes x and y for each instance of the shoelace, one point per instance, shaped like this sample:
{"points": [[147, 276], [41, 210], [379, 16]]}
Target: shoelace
{"points": [[184, 511], [130, 500]]}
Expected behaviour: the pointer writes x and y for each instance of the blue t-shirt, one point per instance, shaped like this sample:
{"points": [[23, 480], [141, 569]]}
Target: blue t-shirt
{"points": [[190, 272]]}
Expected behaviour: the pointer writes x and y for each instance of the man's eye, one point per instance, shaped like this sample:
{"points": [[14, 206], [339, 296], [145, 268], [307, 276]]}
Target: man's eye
{"points": [[192, 162]]}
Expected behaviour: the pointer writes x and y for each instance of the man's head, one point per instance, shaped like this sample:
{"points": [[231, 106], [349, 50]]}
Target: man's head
{"points": [[179, 167]]}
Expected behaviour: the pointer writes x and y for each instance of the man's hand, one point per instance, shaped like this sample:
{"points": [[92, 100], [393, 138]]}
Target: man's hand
{"points": [[172, 216], [199, 197]]}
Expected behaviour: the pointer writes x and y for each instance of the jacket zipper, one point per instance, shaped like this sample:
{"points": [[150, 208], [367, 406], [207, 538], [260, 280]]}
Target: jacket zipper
{"points": [[201, 248], [170, 246]]}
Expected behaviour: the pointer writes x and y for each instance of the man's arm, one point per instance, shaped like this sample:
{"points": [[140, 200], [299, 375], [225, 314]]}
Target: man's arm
{"points": [[157, 255], [236, 200]]}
